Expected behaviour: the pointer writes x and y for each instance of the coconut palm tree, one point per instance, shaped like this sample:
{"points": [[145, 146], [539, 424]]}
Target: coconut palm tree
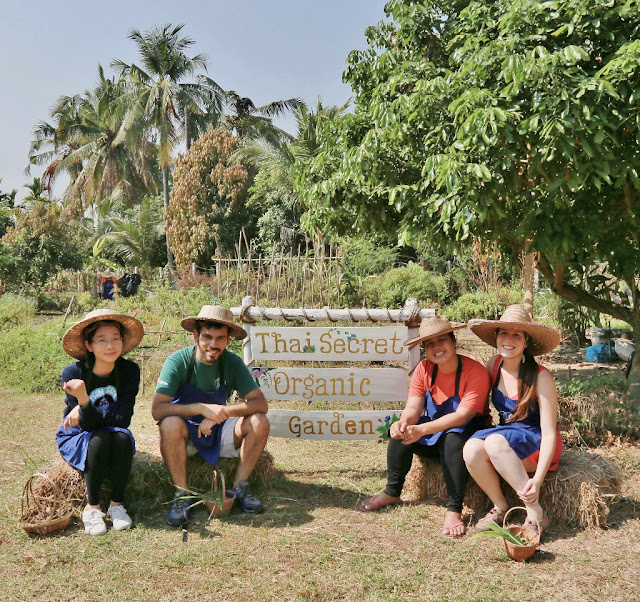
{"points": [[162, 98], [83, 144], [250, 122], [132, 239]]}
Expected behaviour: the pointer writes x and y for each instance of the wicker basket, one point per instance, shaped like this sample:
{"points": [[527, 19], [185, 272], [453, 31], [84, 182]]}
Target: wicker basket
{"points": [[53, 512], [520, 553], [212, 504]]}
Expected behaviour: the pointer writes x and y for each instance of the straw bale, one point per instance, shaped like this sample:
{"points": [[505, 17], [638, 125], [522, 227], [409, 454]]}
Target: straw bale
{"points": [[577, 493], [149, 483]]}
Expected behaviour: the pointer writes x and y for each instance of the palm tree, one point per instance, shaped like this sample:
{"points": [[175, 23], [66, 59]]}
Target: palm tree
{"points": [[83, 144], [249, 121], [133, 240], [162, 98]]}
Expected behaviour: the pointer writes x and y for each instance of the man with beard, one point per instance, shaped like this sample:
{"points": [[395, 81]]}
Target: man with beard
{"points": [[190, 407]]}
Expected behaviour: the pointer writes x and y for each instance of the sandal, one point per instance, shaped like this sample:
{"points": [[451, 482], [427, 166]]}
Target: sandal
{"points": [[495, 516], [537, 526], [449, 528], [371, 504]]}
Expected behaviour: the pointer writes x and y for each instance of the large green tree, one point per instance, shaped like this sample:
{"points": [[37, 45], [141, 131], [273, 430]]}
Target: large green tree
{"points": [[517, 122]]}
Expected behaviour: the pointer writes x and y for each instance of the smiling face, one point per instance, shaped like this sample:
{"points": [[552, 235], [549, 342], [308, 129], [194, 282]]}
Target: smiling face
{"points": [[511, 342], [105, 343], [211, 342], [441, 350]]}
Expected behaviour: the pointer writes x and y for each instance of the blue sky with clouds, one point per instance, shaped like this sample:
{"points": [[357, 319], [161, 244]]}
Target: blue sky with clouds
{"points": [[266, 50]]}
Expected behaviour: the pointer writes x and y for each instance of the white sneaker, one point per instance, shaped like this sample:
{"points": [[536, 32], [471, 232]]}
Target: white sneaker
{"points": [[119, 517], [93, 521]]}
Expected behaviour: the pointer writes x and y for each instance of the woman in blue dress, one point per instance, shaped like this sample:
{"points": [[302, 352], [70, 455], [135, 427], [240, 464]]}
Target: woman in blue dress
{"points": [[527, 441], [101, 390]]}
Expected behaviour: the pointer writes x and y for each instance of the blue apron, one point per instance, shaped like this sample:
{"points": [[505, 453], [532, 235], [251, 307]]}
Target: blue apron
{"points": [[208, 446], [433, 411]]}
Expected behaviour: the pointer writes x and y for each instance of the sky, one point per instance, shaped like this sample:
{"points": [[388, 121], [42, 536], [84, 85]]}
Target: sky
{"points": [[266, 50]]}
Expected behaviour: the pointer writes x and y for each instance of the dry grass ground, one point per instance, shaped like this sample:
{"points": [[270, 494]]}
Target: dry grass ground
{"points": [[311, 543]]}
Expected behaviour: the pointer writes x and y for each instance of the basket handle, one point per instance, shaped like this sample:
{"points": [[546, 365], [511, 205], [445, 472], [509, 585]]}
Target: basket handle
{"points": [[504, 520], [58, 497], [214, 481]]}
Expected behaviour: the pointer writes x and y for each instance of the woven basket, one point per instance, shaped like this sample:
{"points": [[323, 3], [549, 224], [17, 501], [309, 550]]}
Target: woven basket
{"points": [[212, 504], [55, 507], [520, 553]]}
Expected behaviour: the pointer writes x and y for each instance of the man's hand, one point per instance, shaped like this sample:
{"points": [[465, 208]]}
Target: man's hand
{"points": [[205, 427], [215, 413]]}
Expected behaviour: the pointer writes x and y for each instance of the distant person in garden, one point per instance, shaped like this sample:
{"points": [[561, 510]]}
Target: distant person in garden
{"points": [[527, 440], [448, 401], [190, 407], [101, 389]]}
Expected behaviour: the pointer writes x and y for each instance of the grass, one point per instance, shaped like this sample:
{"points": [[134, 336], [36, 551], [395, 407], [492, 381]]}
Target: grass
{"points": [[311, 543]]}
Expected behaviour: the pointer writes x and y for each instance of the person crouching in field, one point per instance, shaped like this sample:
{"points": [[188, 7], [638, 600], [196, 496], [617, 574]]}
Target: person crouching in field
{"points": [[190, 405], [101, 391], [524, 393], [448, 401]]}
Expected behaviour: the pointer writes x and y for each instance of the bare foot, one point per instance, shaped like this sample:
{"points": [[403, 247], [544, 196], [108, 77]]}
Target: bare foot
{"points": [[453, 525]]}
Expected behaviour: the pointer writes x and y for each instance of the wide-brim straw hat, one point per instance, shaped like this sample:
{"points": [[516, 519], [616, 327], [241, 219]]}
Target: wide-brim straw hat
{"points": [[73, 340], [542, 338], [433, 327], [215, 313]]}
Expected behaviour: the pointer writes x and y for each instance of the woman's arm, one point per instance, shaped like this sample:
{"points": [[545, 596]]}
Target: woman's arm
{"points": [[548, 406]]}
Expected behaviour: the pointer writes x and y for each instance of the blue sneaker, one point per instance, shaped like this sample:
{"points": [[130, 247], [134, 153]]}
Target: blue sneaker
{"points": [[180, 509], [248, 503]]}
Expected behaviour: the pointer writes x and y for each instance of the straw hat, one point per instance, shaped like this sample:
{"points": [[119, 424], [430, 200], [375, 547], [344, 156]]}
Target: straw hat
{"points": [[73, 340], [215, 313], [542, 338], [433, 327]]}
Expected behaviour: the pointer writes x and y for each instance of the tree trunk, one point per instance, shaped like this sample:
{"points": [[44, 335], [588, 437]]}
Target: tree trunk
{"points": [[186, 128], [528, 269], [165, 197]]}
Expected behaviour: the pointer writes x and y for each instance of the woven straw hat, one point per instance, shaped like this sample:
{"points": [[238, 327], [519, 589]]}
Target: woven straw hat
{"points": [[215, 313], [73, 340], [542, 338], [433, 327]]}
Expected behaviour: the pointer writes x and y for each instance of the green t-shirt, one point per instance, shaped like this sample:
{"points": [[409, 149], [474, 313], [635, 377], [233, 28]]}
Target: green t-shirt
{"points": [[173, 375]]}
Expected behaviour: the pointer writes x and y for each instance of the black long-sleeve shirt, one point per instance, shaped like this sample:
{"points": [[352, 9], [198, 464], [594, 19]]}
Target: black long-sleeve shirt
{"points": [[108, 406]]}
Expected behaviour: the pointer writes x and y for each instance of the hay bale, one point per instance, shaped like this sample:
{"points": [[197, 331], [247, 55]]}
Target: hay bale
{"points": [[149, 483], [578, 493]]}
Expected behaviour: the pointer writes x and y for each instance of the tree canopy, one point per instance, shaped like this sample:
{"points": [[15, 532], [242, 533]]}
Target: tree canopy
{"points": [[517, 122]]}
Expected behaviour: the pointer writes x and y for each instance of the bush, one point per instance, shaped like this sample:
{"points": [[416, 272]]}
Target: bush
{"points": [[15, 310], [395, 286], [31, 357], [482, 304]]}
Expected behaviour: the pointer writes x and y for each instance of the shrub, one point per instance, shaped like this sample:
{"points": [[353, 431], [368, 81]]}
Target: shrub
{"points": [[16, 309], [482, 304], [31, 357], [395, 286]]}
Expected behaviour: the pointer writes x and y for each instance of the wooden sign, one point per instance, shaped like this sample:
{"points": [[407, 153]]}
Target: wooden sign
{"points": [[332, 384], [329, 344], [294, 424]]}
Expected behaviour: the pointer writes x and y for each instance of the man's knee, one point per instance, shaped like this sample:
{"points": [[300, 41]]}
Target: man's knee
{"points": [[257, 424], [173, 427]]}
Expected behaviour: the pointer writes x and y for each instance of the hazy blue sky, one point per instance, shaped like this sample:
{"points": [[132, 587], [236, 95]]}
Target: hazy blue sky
{"points": [[266, 50]]}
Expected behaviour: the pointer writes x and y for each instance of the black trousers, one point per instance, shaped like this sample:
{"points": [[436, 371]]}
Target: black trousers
{"points": [[448, 450], [109, 453]]}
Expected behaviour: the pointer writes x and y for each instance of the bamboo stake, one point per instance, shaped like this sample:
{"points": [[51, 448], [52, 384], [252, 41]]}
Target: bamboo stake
{"points": [[161, 329], [273, 251], [68, 309]]}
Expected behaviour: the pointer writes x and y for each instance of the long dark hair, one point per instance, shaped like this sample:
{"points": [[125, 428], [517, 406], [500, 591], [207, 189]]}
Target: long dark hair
{"points": [[90, 361], [527, 387]]}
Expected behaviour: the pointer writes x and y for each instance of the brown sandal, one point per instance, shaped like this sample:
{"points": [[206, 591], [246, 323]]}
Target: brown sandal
{"points": [[537, 525], [495, 516]]}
